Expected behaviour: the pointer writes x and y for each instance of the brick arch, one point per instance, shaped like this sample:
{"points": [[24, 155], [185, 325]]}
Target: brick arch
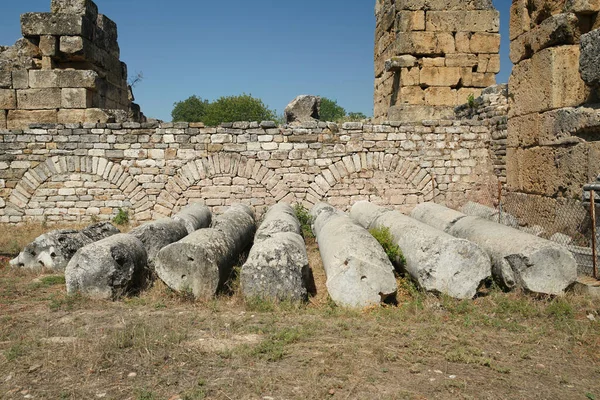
{"points": [[110, 172], [192, 176], [406, 182]]}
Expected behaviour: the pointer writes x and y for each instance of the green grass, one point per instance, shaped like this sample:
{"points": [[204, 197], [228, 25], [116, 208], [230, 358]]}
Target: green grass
{"points": [[383, 235], [303, 215]]}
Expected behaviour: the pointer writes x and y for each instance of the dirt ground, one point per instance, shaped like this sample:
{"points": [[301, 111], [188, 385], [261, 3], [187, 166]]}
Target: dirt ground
{"points": [[163, 346]]}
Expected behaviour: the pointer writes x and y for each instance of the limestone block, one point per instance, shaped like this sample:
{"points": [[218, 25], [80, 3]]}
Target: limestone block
{"points": [[410, 76], [483, 80], [48, 45], [71, 44], [8, 99], [39, 99], [440, 76], [452, 5], [96, 115], [78, 79], [520, 21], [70, 116], [463, 94], [106, 35], [412, 95], [557, 30], [397, 63], [425, 43], [2, 119], [469, 21], [38, 24], [412, 113], [20, 79], [78, 7], [461, 60], [39, 79], [76, 98], [523, 131], [21, 119], [583, 6], [5, 76], [433, 62], [488, 63], [589, 60], [409, 21], [463, 42], [440, 96], [546, 81], [484, 43]]}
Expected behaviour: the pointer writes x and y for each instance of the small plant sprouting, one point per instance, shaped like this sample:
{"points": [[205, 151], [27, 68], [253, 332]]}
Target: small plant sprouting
{"points": [[471, 100], [122, 217], [305, 219], [384, 237]]}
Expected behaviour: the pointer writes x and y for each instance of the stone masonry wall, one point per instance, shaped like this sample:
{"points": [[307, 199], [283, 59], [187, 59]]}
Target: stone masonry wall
{"points": [[87, 172], [431, 55], [553, 148], [65, 69]]}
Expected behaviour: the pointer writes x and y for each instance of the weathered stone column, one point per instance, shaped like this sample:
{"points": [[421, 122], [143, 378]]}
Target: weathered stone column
{"points": [[438, 262], [54, 250], [107, 269], [277, 266], [359, 273], [202, 261], [156, 235], [519, 260], [195, 216]]}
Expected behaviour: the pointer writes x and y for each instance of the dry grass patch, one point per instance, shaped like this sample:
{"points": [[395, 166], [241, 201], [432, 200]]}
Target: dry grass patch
{"points": [[161, 345]]}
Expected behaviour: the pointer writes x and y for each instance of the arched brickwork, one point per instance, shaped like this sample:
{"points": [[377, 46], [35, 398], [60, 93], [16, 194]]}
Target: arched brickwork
{"points": [[220, 180], [113, 176]]}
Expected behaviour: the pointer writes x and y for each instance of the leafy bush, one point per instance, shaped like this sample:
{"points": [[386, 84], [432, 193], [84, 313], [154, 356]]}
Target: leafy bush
{"points": [[385, 238], [225, 109], [305, 219], [192, 109], [330, 110], [122, 217]]}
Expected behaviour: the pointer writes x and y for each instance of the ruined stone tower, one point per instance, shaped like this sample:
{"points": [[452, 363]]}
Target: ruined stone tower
{"points": [[65, 69], [431, 55]]}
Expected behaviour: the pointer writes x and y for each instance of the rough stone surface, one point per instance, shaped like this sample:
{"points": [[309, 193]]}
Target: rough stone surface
{"points": [[195, 216], [303, 109], [54, 249], [202, 262], [158, 234], [489, 213], [438, 262], [519, 260], [590, 58], [359, 273], [277, 265], [107, 269]]}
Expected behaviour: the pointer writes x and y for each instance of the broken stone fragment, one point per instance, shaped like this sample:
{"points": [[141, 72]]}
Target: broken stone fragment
{"points": [[303, 108], [54, 250]]}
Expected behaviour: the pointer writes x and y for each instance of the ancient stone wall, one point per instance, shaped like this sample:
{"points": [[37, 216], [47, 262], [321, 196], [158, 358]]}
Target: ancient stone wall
{"points": [[65, 69], [87, 172], [431, 55], [553, 148]]}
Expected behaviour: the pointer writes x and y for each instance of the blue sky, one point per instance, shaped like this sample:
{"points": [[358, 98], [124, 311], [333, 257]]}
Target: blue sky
{"points": [[274, 50]]}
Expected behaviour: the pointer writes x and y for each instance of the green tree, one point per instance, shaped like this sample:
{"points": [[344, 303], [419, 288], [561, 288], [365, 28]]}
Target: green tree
{"points": [[191, 110], [237, 108], [330, 110], [356, 116]]}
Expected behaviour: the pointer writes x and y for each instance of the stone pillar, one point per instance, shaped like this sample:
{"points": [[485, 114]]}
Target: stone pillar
{"points": [[549, 153], [431, 55]]}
